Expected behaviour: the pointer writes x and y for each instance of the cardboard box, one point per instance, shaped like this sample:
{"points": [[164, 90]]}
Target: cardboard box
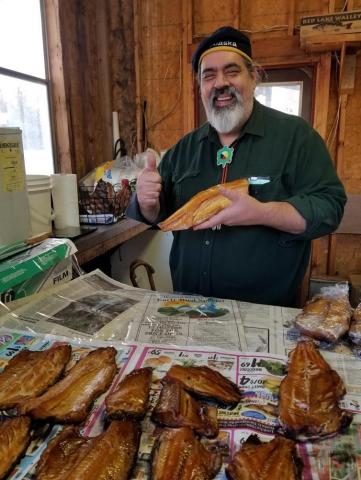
{"points": [[38, 268]]}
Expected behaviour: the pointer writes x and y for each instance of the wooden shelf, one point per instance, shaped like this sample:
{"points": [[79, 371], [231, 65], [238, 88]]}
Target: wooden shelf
{"points": [[107, 237]]}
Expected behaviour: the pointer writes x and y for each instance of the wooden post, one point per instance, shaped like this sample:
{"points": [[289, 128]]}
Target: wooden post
{"points": [[291, 18], [57, 86], [138, 104], [346, 87], [236, 14], [187, 73]]}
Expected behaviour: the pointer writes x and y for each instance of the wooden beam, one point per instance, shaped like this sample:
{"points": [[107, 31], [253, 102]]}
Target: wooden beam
{"points": [[321, 102], [138, 104], [57, 87], [105, 126], [322, 93], [187, 73], [347, 81], [236, 14], [331, 6], [291, 18]]}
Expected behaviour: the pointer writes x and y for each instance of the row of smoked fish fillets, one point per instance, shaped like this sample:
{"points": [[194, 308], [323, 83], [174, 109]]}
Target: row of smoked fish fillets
{"points": [[34, 386]]}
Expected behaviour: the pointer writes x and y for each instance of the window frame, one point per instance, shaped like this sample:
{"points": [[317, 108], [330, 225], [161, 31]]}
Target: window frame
{"points": [[41, 81]]}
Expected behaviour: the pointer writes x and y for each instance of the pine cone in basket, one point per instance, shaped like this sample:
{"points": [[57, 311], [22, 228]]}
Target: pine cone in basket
{"points": [[121, 198]]}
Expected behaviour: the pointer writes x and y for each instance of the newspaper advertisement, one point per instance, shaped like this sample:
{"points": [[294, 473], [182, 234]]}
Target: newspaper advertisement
{"points": [[258, 376], [91, 306], [189, 320]]}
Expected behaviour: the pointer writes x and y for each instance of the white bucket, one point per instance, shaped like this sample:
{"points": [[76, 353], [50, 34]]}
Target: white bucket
{"points": [[39, 193]]}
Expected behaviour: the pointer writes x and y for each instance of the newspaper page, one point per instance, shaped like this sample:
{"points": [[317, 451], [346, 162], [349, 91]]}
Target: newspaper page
{"points": [[258, 376], [189, 320], [91, 306]]}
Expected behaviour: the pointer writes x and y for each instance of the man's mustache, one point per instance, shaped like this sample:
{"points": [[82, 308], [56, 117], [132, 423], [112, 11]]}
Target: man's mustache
{"points": [[216, 92]]}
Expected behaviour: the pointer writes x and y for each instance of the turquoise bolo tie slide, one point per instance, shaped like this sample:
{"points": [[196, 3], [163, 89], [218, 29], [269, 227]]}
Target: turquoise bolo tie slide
{"points": [[224, 156]]}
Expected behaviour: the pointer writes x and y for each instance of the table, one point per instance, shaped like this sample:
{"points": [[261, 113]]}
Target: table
{"points": [[107, 237]]}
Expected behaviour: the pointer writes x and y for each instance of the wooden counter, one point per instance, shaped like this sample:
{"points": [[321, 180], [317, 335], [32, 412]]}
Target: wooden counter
{"points": [[107, 237]]}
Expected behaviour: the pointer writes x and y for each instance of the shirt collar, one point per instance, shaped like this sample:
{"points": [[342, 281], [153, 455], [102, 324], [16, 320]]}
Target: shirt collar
{"points": [[254, 126]]}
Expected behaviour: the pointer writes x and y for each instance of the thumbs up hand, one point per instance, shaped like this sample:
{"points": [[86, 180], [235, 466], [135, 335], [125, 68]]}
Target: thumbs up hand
{"points": [[149, 186]]}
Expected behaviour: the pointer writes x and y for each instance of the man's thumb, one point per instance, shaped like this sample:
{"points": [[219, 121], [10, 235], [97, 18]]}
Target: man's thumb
{"points": [[151, 162]]}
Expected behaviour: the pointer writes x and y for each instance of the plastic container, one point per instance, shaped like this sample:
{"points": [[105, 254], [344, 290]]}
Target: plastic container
{"points": [[14, 205], [39, 192]]}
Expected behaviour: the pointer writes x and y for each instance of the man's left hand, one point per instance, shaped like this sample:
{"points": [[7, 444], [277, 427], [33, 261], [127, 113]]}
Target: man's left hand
{"points": [[246, 210]]}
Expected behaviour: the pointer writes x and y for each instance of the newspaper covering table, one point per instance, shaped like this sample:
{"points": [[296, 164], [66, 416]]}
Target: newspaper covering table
{"points": [[257, 374], [94, 308]]}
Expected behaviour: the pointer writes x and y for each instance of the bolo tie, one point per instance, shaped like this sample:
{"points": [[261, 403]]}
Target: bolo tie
{"points": [[224, 158]]}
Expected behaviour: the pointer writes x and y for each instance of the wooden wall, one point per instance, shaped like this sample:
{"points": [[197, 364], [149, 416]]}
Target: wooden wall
{"points": [[168, 31], [133, 57], [97, 50]]}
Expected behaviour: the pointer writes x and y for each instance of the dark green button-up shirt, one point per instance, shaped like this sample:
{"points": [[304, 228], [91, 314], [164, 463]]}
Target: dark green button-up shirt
{"points": [[253, 263]]}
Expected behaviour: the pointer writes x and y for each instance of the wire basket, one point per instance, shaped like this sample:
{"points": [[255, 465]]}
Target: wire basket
{"points": [[106, 203]]}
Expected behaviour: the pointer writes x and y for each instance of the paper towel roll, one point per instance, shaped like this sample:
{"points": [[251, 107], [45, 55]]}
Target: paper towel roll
{"points": [[65, 200], [115, 127]]}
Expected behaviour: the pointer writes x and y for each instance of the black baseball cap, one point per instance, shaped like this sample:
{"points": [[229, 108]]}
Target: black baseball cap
{"points": [[225, 38]]}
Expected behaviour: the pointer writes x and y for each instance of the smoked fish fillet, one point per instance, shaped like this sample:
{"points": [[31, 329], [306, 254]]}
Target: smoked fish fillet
{"points": [[69, 400], [131, 397], [29, 374], [275, 460], [309, 396], [179, 455], [14, 440], [109, 456], [202, 206], [176, 408], [355, 328], [206, 383]]}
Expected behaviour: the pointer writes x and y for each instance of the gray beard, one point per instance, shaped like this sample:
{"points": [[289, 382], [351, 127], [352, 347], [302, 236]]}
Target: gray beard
{"points": [[226, 119]]}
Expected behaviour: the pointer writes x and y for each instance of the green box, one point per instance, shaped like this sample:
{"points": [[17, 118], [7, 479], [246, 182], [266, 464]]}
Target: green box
{"points": [[39, 267]]}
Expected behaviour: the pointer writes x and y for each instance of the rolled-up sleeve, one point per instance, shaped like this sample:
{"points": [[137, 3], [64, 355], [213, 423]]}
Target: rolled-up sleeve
{"points": [[318, 194]]}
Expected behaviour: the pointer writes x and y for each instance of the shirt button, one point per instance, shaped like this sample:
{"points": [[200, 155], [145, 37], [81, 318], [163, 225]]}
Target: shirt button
{"points": [[204, 273], [207, 242]]}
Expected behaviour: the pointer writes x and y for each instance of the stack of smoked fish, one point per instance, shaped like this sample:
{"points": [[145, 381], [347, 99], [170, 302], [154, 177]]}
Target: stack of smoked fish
{"points": [[40, 387]]}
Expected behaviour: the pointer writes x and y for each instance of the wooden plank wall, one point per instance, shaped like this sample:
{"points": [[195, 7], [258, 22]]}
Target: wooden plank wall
{"points": [[98, 63], [133, 57], [167, 33]]}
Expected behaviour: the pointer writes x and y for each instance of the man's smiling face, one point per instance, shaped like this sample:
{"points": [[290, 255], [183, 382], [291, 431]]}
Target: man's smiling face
{"points": [[227, 88]]}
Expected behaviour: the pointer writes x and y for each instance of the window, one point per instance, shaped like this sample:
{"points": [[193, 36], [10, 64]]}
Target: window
{"points": [[288, 90], [284, 96], [24, 85]]}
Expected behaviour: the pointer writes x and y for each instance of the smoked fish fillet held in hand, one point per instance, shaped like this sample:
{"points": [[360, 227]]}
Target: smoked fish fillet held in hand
{"points": [[202, 206], [69, 400], [204, 382], [29, 374], [177, 408], [131, 396], [309, 396], [275, 460], [178, 455], [14, 440], [109, 456]]}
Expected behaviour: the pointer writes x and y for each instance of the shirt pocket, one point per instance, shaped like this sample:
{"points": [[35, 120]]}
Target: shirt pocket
{"points": [[186, 185], [273, 191]]}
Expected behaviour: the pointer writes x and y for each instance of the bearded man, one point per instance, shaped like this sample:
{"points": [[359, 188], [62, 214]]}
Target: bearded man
{"points": [[261, 250]]}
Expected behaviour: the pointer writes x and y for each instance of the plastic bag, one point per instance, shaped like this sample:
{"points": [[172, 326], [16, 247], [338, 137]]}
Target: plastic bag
{"points": [[327, 315]]}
